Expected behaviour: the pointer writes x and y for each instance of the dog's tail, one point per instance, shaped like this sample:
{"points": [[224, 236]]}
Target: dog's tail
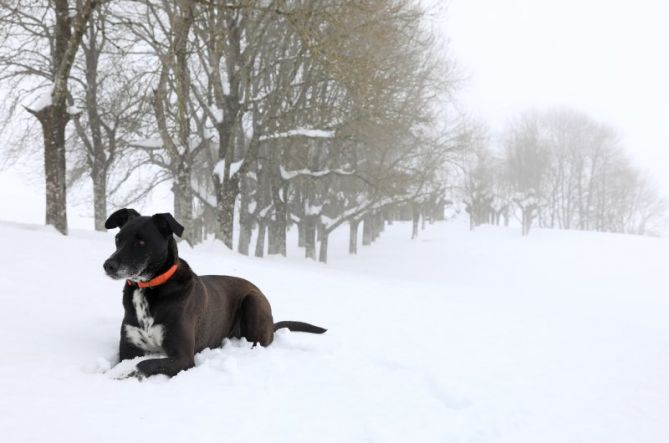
{"points": [[299, 326]]}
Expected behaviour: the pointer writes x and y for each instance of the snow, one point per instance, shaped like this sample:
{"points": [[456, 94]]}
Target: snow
{"points": [[74, 110], [247, 125], [312, 209], [151, 143], [219, 168], [234, 167], [44, 100], [300, 132], [263, 212], [454, 337], [288, 175], [217, 113]]}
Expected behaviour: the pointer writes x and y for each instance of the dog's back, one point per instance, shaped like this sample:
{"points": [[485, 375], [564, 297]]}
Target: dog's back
{"points": [[226, 299]]}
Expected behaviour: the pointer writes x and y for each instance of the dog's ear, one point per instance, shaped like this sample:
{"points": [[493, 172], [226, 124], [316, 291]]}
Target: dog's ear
{"points": [[120, 218], [167, 225]]}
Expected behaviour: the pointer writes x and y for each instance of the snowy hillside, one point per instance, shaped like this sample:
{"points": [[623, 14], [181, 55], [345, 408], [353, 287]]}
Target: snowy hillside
{"points": [[454, 337]]}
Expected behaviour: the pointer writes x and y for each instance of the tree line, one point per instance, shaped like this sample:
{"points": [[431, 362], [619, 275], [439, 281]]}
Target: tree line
{"points": [[261, 114], [273, 114], [560, 169]]}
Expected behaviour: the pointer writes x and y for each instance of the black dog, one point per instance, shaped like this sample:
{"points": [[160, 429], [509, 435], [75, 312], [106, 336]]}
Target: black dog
{"points": [[170, 309]]}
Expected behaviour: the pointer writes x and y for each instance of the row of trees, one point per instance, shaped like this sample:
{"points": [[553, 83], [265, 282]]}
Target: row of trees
{"points": [[262, 115], [561, 169]]}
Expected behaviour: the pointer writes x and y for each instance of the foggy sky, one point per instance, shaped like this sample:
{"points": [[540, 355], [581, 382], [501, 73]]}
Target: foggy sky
{"points": [[608, 58]]}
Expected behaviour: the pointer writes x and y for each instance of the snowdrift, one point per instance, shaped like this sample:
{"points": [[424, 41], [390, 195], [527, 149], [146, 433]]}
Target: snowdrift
{"points": [[455, 337]]}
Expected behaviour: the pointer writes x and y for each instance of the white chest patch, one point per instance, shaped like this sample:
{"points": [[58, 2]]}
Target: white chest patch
{"points": [[147, 336]]}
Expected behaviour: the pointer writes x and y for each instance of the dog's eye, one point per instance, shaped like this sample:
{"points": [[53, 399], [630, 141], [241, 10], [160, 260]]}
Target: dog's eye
{"points": [[140, 242]]}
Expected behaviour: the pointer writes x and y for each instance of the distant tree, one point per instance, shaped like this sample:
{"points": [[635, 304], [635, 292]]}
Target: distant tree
{"points": [[568, 171], [527, 165], [39, 41], [479, 177]]}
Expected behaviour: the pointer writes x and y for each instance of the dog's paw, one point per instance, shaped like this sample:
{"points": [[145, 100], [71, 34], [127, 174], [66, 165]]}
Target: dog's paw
{"points": [[124, 369], [149, 368], [134, 374], [145, 368]]}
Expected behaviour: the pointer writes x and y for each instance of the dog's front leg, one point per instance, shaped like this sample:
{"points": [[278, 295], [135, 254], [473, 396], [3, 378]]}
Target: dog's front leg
{"points": [[179, 345], [127, 350]]}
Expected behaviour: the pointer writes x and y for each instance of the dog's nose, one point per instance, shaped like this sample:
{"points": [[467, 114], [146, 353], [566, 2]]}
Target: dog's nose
{"points": [[110, 267]]}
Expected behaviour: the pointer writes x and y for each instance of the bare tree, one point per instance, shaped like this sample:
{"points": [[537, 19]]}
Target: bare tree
{"points": [[527, 163], [570, 172], [112, 108], [40, 41]]}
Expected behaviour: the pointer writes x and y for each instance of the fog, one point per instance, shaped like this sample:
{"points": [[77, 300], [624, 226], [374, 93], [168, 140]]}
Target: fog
{"points": [[606, 58]]}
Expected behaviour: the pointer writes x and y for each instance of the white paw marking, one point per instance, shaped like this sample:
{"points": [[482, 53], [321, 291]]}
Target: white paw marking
{"points": [[147, 336]]}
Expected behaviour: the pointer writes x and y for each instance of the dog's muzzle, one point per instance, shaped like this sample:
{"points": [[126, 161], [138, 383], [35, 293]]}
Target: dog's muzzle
{"points": [[111, 268]]}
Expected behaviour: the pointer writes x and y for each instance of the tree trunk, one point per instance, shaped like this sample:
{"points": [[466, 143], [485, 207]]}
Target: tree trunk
{"points": [[183, 201], [526, 227], [277, 230], [323, 253], [300, 234], [319, 230], [310, 236], [99, 198], [367, 230], [66, 39], [527, 215], [272, 244], [415, 219], [245, 231], [279, 225], [375, 228], [53, 121], [244, 240], [97, 148], [245, 220], [225, 208], [353, 237], [260, 242]]}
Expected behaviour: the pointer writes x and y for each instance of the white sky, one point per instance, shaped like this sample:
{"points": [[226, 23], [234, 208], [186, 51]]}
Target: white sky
{"points": [[609, 59]]}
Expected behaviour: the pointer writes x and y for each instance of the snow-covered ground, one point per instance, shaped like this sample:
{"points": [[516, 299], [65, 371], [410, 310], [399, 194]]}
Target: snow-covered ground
{"points": [[454, 337]]}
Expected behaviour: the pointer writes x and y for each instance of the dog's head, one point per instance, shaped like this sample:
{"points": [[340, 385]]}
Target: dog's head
{"points": [[143, 245]]}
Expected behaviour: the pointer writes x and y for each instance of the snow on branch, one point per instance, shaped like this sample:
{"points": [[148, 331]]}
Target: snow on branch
{"points": [[150, 143], [74, 110], [300, 132], [363, 206], [312, 209], [263, 212], [219, 169], [287, 175], [44, 100]]}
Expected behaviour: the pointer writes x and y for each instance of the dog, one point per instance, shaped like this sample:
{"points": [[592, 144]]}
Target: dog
{"points": [[171, 310]]}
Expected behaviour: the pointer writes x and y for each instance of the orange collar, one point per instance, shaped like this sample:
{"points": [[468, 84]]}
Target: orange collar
{"points": [[156, 281]]}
